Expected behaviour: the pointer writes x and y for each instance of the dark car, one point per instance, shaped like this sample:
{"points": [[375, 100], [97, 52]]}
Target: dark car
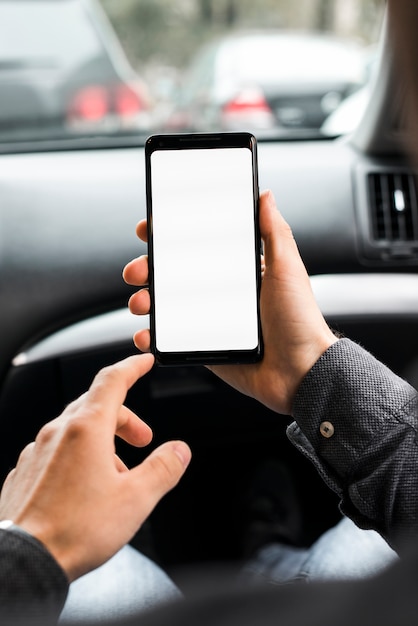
{"points": [[268, 80], [62, 70]]}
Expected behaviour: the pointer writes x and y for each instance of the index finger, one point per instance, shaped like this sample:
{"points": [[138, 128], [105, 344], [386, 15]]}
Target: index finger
{"points": [[110, 386]]}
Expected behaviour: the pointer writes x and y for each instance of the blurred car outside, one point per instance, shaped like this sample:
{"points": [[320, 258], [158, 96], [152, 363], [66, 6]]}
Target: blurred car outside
{"points": [[63, 71], [268, 81], [347, 115]]}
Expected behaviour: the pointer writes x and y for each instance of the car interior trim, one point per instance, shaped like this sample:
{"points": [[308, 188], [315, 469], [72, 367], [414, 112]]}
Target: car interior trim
{"points": [[340, 296]]}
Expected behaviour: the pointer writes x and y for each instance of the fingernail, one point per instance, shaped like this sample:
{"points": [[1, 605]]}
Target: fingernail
{"points": [[183, 452]]}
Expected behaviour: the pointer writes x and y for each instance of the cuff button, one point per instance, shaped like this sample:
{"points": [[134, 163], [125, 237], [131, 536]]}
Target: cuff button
{"points": [[326, 429]]}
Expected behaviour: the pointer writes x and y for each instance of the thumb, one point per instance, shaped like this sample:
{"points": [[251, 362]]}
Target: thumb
{"points": [[160, 472], [279, 243]]}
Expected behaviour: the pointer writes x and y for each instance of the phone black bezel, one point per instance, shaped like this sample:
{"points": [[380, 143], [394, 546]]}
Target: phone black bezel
{"points": [[203, 141]]}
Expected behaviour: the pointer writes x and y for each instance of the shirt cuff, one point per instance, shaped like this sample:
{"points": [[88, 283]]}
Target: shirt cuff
{"points": [[347, 403], [33, 586]]}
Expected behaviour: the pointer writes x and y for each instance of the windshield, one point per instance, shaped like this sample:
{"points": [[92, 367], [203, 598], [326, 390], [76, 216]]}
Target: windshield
{"points": [[128, 68], [47, 36]]}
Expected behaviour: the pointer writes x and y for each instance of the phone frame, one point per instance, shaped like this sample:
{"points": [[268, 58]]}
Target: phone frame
{"points": [[203, 141]]}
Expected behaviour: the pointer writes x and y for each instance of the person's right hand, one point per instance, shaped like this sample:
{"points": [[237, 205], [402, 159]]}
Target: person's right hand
{"points": [[69, 488], [295, 333]]}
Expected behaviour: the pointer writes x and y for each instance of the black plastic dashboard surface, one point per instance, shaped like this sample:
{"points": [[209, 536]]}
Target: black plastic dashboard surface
{"points": [[67, 227]]}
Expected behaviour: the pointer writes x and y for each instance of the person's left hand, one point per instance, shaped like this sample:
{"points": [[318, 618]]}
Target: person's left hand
{"points": [[71, 491], [295, 332]]}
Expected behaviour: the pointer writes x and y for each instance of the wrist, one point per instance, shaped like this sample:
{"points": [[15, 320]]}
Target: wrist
{"points": [[34, 536], [8, 524]]}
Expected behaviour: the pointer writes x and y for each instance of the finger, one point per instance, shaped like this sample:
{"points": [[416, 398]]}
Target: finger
{"points": [[110, 386], [272, 223], [160, 472], [141, 230], [133, 429], [136, 271], [279, 243], [142, 340], [281, 255], [140, 302]]}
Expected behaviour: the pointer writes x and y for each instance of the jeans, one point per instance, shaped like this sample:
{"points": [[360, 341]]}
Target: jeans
{"points": [[343, 552], [130, 582]]}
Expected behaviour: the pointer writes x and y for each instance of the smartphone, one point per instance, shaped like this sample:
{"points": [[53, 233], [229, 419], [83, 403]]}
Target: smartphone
{"points": [[203, 248]]}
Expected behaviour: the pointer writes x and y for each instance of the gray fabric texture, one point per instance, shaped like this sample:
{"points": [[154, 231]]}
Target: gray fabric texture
{"points": [[371, 461], [33, 587]]}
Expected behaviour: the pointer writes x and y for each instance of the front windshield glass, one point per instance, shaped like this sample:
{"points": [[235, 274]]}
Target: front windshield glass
{"points": [[128, 68]]}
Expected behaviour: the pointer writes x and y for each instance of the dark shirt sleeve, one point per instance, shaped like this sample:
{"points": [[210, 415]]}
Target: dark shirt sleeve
{"points": [[357, 422], [33, 587]]}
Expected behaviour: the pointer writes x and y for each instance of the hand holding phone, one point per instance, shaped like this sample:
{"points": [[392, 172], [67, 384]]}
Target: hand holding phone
{"points": [[204, 248], [295, 333]]}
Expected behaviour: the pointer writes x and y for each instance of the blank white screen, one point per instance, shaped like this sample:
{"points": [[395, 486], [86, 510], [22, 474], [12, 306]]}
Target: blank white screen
{"points": [[205, 295]]}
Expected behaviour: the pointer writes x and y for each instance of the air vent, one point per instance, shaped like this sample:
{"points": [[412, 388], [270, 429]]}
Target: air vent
{"points": [[393, 208]]}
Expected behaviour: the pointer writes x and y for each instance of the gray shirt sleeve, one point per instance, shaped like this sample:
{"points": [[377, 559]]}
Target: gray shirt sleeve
{"points": [[357, 422], [33, 587]]}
